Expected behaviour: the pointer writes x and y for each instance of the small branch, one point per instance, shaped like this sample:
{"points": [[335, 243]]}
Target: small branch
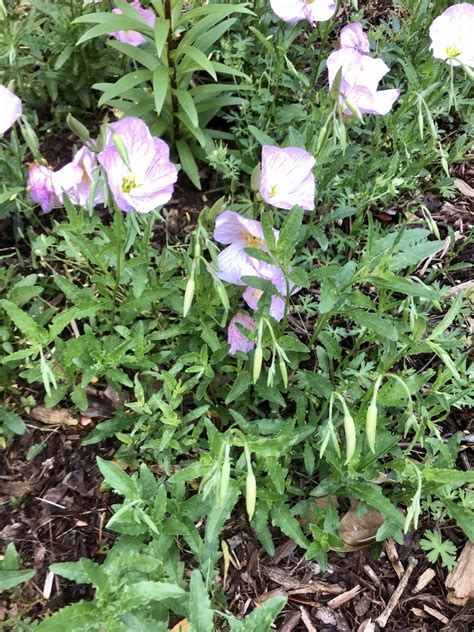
{"points": [[398, 592]]}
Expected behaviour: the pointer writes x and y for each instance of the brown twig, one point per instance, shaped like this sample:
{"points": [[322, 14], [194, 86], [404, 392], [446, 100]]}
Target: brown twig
{"points": [[397, 593]]}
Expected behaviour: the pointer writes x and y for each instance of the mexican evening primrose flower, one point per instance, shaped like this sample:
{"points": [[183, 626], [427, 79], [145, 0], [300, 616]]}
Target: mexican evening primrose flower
{"points": [[311, 10], [134, 38], [10, 109], [239, 233], [252, 295], [41, 188], [147, 181], [76, 179], [287, 178], [360, 75], [452, 35], [237, 340]]}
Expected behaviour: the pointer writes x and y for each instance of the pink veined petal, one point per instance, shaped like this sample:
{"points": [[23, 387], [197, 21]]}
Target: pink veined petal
{"points": [[287, 179], [233, 263], [10, 109], [353, 36], [116, 170], [232, 228], [41, 188], [319, 11], [138, 142], [236, 339], [379, 102], [452, 37], [370, 72], [289, 10], [277, 305]]}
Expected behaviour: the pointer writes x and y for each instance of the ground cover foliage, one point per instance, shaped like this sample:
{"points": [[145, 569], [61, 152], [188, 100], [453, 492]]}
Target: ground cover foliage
{"points": [[342, 403]]}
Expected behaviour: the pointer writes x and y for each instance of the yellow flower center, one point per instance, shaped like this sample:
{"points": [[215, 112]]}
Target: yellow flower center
{"points": [[128, 183], [253, 242], [273, 191], [452, 51], [309, 1]]}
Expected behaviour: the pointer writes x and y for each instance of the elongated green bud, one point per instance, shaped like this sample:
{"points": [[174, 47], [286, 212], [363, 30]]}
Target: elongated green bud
{"points": [[371, 424], [77, 128], [189, 293], [250, 494], [284, 372], [258, 356], [255, 178], [30, 138], [225, 475], [350, 432], [222, 294]]}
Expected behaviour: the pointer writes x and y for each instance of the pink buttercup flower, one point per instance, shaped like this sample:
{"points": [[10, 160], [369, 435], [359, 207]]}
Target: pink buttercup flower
{"points": [[41, 187], [237, 340], [311, 10], [252, 295], [287, 178], [239, 233], [360, 77], [147, 181], [134, 38], [76, 179], [10, 109], [353, 36], [452, 35]]}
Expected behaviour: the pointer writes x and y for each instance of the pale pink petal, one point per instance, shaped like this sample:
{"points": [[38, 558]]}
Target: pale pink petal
{"points": [[232, 228], [353, 36], [233, 263], [286, 179], [236, 339], [10, 109], [289, 10], [319, 10], [41, 187], [452, 35]]}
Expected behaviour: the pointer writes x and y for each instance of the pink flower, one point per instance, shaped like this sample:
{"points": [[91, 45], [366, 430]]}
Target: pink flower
{"points": [[134, 38], [10, 109], [452, 35], [76, 179], [147, 182], [252, 295], [239, 233], [41, 188], [353, 36], [287, 178], [236, 339], [360, 77], [311, 10]]}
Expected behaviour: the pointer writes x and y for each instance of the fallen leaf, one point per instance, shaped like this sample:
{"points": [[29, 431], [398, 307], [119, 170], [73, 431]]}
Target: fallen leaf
{"points": [[463, 187], [53, 416], [359, 531]]}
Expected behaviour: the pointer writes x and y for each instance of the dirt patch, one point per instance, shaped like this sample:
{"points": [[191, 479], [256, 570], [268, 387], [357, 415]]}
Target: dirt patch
{"points": [[53, 510]]}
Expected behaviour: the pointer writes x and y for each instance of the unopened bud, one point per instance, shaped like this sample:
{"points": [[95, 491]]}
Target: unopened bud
{"points": [[225, 475], [350, 432], [255, 178], [284, 372], [250, 493], [77, 128], [371, 425], [122, 150], [189, 294], [30, 138]]}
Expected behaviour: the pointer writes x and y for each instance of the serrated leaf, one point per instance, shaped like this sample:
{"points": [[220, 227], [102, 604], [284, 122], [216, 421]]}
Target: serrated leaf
{"points": [[286, 522], [36, 335], [73, 571], [77, 617], [382, 326], [261, 619]]}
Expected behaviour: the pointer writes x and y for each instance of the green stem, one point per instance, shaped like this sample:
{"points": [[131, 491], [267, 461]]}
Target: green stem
{"points": [[172, 71], [119, 245]]}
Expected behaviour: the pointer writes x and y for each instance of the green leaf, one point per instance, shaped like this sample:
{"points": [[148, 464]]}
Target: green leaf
{"points": [[201, 614], [125, 83], [109, 22], [12, 421], [188, 162], [73, 571], [373, 496], [36, 335], [77, 618], [382, 326], [162, 29], [10, 579], [96, 575], [261, 619], [290, 234], [136, 53], [239, 387], [118, 480], [145, 591], [198, 57], [161, 85], [448, 318], [463, 515], [261, 137], [286, 522], [445, 357], [185, 100]]}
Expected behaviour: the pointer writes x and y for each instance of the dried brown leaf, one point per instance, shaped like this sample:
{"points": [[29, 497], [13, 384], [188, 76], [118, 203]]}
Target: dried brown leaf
{"points": [[53, 416], [464, 187], [359, 531]]}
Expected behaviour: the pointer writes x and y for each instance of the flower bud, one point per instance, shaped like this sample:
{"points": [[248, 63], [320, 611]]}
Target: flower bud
{"points": [[350, 432], [284, 372], [250, 493], [122, 150], [77, 128], [189, 295], [30, 138], [371, 425]]}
